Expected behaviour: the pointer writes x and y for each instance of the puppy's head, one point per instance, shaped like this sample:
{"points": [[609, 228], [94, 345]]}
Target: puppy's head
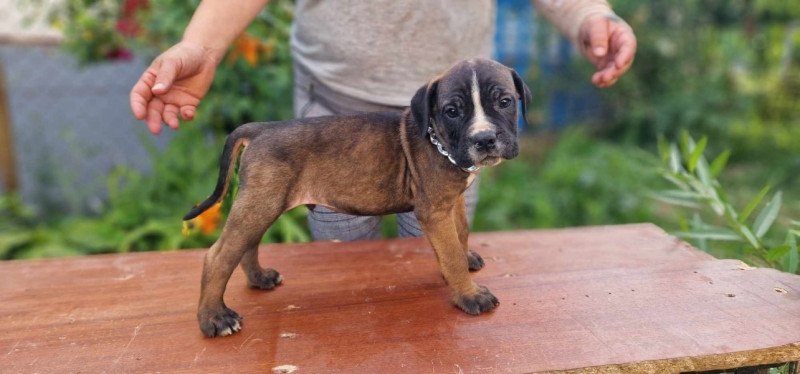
{"points": [[473, 108]]}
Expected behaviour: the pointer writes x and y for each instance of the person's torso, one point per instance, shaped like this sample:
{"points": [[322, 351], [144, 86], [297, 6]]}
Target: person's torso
{"points": [[381, 51]]}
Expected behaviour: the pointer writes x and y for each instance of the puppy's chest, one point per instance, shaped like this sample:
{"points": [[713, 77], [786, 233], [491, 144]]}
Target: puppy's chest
{"points": [[470, 179]]}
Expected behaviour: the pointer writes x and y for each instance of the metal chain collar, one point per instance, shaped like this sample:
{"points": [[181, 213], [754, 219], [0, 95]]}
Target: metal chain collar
{"points": [[443, 152]]}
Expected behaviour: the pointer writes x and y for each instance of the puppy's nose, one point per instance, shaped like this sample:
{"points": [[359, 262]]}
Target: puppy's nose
{"points": [[484, 140]]}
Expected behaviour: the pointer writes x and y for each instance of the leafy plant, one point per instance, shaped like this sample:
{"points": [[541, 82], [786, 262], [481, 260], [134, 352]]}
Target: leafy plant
{"points": [[575, 181], [253, 83], [727, 69], [143, 211], [92, 29], [697, 187]]}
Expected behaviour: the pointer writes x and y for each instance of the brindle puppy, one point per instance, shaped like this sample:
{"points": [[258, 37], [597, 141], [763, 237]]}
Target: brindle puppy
{"points": [[368, 164]]}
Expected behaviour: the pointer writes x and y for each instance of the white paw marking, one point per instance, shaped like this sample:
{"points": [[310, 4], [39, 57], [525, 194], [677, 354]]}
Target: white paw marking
{"points": [[237, 326], [225, 332]]}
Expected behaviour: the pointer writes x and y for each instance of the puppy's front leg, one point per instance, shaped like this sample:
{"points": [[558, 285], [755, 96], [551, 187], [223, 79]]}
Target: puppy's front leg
{"points": [[440, 228], [474, 260]]}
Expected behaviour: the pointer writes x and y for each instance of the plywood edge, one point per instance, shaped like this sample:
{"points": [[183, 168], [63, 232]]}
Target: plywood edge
{"points": [[329, 244], [644, 226], [766, 356]]}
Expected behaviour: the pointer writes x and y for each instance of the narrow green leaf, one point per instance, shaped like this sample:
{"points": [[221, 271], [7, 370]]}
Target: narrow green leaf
{"points": [[674, 159], [719, 163], [793, 262], [767, 215], [697, 222], [697, 153], [704, 174], [676, 200], [701, 188], [748, 235], [723, 197], [663, 148], [731, 214], [686, 143], [680, 194], [774, 254], [675, 179], [710, 234], [717, 197], [753, 204]]}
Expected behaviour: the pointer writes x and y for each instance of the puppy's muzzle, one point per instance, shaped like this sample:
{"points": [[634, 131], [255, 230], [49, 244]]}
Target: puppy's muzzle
{"points": [[484, 141], [489, 147]]}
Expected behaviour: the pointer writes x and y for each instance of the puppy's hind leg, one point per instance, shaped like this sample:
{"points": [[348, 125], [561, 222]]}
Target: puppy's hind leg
{"points": [[250, 216], [258, 277]]}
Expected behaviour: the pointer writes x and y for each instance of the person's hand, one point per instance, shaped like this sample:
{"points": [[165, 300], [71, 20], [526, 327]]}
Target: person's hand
{"points": [[609, 44], [174, 83]]}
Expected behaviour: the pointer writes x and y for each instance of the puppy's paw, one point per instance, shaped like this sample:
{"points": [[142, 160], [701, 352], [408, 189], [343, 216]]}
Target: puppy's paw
{"points": [[265, 280], [475, 261], [222, 323], [478, 302]]}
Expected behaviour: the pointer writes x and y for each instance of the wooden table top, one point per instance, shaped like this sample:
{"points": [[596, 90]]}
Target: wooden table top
{"points": [[599, 299]]}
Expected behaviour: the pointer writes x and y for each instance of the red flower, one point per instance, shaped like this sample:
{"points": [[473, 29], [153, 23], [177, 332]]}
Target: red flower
{"points": [[127, 24], [120, 54]]}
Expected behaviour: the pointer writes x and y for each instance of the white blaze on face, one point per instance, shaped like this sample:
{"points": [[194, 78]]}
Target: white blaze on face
{"points": [[479, 122]]}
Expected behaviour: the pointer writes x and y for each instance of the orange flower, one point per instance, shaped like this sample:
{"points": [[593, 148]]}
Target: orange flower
{"points": [[246, 46], [249, 47], [207, 222]]}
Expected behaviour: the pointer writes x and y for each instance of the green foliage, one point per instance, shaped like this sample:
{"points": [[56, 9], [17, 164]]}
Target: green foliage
{"points": [[89, 27], [685, 166], [254, 83], [580, 181], [143, 211], [728, 69]]}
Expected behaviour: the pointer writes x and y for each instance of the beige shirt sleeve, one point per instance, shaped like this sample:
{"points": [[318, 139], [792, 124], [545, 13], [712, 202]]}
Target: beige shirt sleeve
{"points": [[568, 15]]}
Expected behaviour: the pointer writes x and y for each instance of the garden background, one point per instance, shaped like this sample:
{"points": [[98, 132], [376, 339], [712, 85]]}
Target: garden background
{"points": [[701, 137]]}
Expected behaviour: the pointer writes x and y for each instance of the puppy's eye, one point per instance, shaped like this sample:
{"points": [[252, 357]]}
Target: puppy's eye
{"points": [[451, 112], [505, 102]]}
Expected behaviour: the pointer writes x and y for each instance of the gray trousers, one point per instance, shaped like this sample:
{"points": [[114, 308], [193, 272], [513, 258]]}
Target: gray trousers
{"points": [[312, 99]]}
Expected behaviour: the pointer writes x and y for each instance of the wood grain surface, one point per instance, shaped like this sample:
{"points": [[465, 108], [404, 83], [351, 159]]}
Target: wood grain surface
{"points": [[603, 299]]}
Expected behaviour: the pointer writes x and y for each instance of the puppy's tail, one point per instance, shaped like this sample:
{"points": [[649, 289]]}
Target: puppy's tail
{"points": [[236, 140]]}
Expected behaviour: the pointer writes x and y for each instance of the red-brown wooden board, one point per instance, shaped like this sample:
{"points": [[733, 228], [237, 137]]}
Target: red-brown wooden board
{"points": [[602, 299]]}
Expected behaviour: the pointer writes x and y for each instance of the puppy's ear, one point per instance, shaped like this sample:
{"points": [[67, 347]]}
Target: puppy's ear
{"points": [[524, 94], [422, 105]]}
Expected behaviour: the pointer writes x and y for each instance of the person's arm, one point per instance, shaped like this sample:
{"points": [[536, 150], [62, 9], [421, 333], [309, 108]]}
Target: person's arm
{"points": [[604, 38], [216, 23], [178, 79]]}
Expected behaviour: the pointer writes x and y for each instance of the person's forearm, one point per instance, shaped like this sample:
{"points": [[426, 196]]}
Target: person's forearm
{"points": [[568, 15], [216, 23]]}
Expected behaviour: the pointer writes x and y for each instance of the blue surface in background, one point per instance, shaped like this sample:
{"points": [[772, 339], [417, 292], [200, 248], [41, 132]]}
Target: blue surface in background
{"points": [[516, 47]]}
